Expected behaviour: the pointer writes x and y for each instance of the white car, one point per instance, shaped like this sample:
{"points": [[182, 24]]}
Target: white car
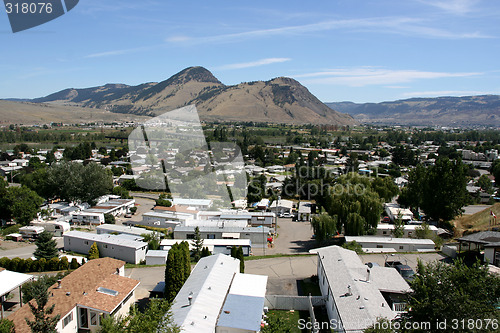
{"points": [[286, 215]]}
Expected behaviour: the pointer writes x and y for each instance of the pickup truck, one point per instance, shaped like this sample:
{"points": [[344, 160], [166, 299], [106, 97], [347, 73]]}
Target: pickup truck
{"points": [[406, 272]]}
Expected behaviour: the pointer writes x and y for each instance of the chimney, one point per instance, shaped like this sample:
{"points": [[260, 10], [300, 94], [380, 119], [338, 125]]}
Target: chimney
{"points": [[59, 284], [368, 275], [190, 298], [349, 292]]}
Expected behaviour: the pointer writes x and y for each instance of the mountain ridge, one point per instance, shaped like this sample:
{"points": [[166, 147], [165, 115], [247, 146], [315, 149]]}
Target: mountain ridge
{"points": [[481, 110], [279, 100]]}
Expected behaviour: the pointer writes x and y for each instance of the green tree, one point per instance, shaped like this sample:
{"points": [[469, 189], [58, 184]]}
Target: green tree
{"points": [[30, 289], [186, 259], [174, 272], [353, 246], [324, 226], [385, 187], [74, 264], [440, 190], [399, 227], [7, 326], [485, 183], [155, 318], [205, 252], [43, 322], [449, 293], [93, 252], [163, 201], [241, 257], [20, 204], [109, 218], [46, 247], [382, 325], [198, 244], [122, 192]]}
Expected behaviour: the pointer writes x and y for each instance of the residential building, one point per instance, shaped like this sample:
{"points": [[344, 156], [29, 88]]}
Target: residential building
{"points": [[304, 211], [374, 244], [357, 296], [217, 298], [215, 246], [257, 235], [199, 204], [96, 289], [10, 281], [156, 257], [115, 207], [394, 212], [114, 246], [489, 241], [57, 228], [30, 231], [122, 229], [87, 218], [281, 206], [387, 230]]}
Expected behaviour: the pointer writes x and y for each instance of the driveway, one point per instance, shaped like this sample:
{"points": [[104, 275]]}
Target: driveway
{"points": [[473, 209], [27, 251], [293, 238], [410, 259]]}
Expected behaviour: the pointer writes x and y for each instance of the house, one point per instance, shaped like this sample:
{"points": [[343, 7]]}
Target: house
{"points": [[9, 281], [87, 218], [156, 257], [394, 212], [175, 210], [215, 246], [387, 230], [199, 204], [374, 244], [96, 289], [162, 219], [263, 204], [281, 206], [489, 241], [304, 211], [115, 207], [257, 235], [217, 298], [356, 294], [122, 230], [114, 246]]}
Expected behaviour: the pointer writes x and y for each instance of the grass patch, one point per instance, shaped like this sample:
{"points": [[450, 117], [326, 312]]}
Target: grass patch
{"points": [[10, 229], [480, 221], [127, 265], [288, 319]]}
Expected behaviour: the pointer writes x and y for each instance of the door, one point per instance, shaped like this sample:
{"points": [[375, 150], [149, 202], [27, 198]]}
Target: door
{"points": [[84, 319]]}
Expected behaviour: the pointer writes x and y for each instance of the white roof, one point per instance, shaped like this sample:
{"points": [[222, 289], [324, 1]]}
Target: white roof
{"points": [[124, 229], [345, 272], [191, 202], [157, 253], [282, 203], [249, 285], [208, 285], [388, 240], [11, 280], [118, 240]]}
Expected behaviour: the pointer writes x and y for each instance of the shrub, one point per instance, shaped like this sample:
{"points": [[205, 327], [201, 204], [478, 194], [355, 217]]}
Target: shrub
{"points": [[74, 264], [63, 263]]}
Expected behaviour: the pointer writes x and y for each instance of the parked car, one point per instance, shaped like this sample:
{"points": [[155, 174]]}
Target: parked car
{"points": [[406, 272], [393, 264], [386, 219], [285, 215]]}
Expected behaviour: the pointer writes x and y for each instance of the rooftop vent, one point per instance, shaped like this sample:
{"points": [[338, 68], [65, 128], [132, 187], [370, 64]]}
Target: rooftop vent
{"points": [[190, 299], [68, 293], [59, 284]]}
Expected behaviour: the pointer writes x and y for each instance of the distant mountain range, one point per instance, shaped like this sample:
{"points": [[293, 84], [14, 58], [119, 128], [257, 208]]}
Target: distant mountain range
{"points": [[440, 111], [280, 100]]}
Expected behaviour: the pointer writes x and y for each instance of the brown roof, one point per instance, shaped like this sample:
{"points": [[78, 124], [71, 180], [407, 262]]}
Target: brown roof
{"points": [[2, 269], [102, 301], [85, 279], [176, 208]]}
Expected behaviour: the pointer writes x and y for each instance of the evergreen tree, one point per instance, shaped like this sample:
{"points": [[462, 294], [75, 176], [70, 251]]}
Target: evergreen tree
{"points": [[205, 252], [93, 252], [43, 322], [170, 275], [198, 244], [74, 264], [186, 259], [399, 227], [240, 256], [46, 247]]}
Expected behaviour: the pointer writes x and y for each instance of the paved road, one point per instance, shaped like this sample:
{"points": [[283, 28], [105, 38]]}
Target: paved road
{"points": [[293, 238], [27, 251], [473, 209]]}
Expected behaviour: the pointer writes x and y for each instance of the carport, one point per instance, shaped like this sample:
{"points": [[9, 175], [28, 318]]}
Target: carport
{"points": [[10, 281]]}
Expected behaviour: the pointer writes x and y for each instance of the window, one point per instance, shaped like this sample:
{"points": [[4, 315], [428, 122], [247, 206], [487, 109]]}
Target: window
{"points": [[384, 232], [380, 246], [86, 242], [68, 319], [190, 236], [93, 318], [409, 233], [105, 246], [401, 247], [211, 236]]}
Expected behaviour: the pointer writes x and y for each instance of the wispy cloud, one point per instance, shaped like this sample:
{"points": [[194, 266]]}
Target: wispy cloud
{"points": [[120, 52], [364, 76], [261, 62], [390, 25], [459, 7]]}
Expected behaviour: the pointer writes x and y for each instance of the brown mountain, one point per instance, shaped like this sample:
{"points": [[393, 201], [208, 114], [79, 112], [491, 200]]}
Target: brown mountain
{"points": [[440, 111], [281, 100]]}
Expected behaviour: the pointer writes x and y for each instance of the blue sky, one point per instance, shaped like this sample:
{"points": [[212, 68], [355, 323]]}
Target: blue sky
{"points": [[341, 50]]}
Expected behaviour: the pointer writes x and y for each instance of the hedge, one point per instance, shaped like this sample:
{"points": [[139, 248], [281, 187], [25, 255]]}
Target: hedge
{"points": [[29, 265]]}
